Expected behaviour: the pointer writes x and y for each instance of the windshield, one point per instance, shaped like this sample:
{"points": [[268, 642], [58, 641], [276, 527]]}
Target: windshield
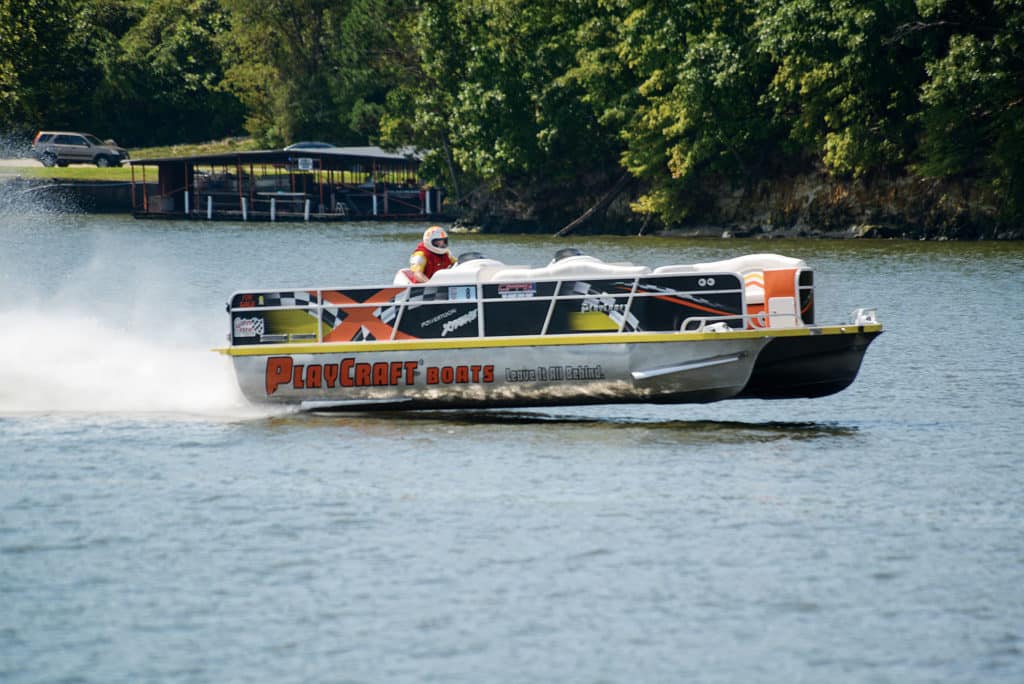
{"points": [[93, 140]]}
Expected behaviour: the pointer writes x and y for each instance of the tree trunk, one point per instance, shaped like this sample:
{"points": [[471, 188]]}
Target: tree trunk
{"points": [[617, 188]]}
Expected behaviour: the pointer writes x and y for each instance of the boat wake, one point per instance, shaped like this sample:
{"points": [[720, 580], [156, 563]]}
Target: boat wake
{"points": [[75, 362], [656, 420]]}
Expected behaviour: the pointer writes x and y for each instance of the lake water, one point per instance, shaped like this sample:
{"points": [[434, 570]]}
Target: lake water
{"points": [[155, 528]]}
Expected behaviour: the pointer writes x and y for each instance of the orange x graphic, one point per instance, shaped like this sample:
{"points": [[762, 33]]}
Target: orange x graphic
{"points": [[361, 316]]}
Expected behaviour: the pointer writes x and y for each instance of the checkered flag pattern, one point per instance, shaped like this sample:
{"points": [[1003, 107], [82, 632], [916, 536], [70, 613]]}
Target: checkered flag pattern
{"points": [[328, 315]]}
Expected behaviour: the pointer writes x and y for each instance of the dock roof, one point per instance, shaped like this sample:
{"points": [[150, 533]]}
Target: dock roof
{"points": [[330, 157]]}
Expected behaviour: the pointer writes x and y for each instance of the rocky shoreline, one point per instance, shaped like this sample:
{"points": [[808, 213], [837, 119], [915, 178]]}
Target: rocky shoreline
{"points": [[807, 206]]}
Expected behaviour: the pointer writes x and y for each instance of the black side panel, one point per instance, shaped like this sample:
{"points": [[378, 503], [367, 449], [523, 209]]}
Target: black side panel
{"points": [[520, 310], [440, 319], [805, 284], [665, 303], [593, 306]]}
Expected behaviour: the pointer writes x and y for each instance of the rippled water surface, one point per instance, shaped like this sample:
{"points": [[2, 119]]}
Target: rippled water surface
{"points": [[154, 527]]}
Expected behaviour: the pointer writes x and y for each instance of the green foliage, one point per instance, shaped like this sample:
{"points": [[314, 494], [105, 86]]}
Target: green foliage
{"points": [[528, 95], [164, 84], [87, 173], [313, 69], [48, 62], [419, 107], [371, 53], [233, 144], [491, 97], [698, 114], [973, 114], [846, 80], [137, 70], [277, 55]]}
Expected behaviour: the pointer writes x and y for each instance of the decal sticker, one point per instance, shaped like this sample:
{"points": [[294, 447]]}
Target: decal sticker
{"points": [[282, 371], [358, 320], [456, 323], [459, 375], [554, 373], [517, 290], [584, 373], [439, 317], [462, 292], [602, 304], [248, 327]]}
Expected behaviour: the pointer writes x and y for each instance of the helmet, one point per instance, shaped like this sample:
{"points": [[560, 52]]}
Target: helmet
{"points": [[436, 240]]}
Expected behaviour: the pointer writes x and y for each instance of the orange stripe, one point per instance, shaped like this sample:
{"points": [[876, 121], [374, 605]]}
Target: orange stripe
{"points": [[694, 305]]}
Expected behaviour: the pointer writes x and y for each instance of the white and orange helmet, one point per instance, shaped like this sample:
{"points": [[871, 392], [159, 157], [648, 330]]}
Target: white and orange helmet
{"points": [[436, 240]]}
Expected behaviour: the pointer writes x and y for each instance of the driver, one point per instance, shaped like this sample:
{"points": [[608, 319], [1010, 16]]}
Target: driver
{"points": [[431, 255]]}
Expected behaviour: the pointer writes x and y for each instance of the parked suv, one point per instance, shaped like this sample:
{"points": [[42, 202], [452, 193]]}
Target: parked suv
{"points": [[62, 148]]}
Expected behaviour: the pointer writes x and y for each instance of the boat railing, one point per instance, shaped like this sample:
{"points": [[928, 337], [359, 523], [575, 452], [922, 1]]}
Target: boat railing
{"points": [[603, 305]]}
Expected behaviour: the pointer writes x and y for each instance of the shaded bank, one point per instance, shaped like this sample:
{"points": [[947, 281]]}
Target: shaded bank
{"points": [[93, 196], [806, 205]]}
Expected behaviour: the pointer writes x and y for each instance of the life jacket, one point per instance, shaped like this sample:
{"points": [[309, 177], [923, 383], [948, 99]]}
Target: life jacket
{"points": [[434, 262]]}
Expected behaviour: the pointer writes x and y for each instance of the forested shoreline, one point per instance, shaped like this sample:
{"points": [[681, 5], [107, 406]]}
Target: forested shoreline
{"points": [[881, 117]]}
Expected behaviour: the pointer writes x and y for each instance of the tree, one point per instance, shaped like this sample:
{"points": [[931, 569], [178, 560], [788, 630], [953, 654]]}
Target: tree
{"points": [[162, 82], [489, 94], [679, 84], [369, 55], [418, 108], [973, 116], [847, 79], [49, 71]]}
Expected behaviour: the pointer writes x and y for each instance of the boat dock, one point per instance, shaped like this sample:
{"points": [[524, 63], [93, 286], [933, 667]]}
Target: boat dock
{"points": [[319, 184]]}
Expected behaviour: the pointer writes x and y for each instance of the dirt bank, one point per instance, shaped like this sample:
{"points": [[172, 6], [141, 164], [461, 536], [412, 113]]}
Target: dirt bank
{"points": [[71, 196], [808, 205]]}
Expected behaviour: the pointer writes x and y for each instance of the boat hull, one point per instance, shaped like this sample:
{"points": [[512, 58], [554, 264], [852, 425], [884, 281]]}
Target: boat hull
{"points": [[680, 368], [808, 366]]}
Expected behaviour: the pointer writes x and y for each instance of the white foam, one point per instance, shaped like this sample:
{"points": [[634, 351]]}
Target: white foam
{"points": [[67, 361], [115, 336]]}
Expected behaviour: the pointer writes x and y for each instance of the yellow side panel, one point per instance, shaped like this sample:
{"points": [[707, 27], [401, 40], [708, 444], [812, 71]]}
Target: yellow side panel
{"points": [[591, 320], [292, 322]]}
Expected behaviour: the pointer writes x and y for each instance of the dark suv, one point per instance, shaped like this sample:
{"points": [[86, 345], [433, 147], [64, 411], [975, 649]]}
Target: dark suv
{"points": [[61, 148]]}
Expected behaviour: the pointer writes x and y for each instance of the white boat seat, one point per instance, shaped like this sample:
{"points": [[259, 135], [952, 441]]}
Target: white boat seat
{"points": [[741, 264], [570, 267], [462, 273]]}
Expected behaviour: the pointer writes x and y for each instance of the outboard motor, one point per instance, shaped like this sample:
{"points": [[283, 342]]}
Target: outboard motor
{"points": [[565, 253], [470, 256]]}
